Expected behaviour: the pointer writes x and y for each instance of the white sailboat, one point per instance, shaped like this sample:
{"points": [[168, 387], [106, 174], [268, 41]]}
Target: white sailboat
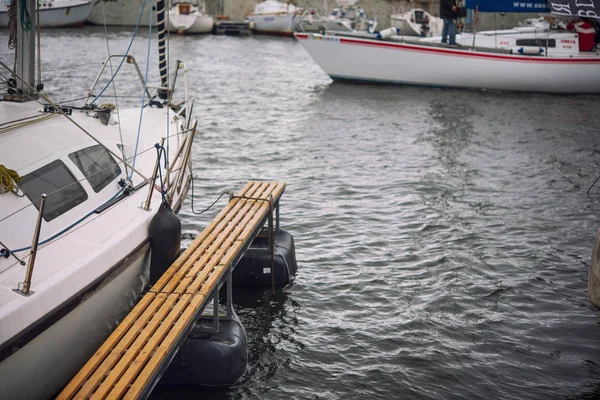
{"points": [[274, 17], [529, 59], [417, 22], [53, 13], [80, 188], [349, 17], [190, 17]]}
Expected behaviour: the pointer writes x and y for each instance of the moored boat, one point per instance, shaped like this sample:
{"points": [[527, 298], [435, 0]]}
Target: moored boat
{"points": [[274, 17], [81, 188], [188, 17], [417, 22], [55, 13], [349, 17], [521, 59]]}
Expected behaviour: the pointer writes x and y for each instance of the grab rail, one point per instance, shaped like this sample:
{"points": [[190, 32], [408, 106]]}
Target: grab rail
{"points": [[36, 238], [129, 60]]}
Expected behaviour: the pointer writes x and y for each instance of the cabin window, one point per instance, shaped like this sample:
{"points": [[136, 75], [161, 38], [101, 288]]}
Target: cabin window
{"points": [[537, 42], [97, 165], [54, 179]]}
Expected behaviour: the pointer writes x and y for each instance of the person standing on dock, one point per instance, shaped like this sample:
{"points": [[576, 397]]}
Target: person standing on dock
{"points": [[448, 12]]}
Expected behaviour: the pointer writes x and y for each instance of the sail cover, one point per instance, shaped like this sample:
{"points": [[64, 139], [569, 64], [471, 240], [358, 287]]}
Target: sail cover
{"points": [[514, 6], [577, 8]]}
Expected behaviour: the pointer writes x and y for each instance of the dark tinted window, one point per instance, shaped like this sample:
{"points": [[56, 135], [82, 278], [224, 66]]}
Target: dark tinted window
{"points": [[537, 42], [54, 177], [97, 165]]}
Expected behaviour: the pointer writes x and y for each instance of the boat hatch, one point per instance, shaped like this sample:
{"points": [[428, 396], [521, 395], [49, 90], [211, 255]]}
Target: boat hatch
{"points": [[55, 179], [97, 165]]}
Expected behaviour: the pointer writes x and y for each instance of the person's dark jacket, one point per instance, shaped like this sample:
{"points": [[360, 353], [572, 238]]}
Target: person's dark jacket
{"points": [[446, 9]]}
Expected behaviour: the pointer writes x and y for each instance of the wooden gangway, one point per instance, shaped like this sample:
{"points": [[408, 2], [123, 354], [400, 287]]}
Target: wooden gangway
{"points": [[130, 362]]}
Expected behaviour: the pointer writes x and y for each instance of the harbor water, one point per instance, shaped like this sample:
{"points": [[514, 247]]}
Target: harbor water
{"points": [[443, 237]]}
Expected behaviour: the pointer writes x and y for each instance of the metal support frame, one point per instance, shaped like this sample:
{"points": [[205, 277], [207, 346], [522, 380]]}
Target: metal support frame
{"points": [[146, 205], [34, 244], [230, 293], [130, 60], [216, 309], [186, 157], [277, 216], [271, 243]]}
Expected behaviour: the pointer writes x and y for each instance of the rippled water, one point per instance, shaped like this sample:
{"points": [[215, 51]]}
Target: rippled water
{"points": [[443, 237]]}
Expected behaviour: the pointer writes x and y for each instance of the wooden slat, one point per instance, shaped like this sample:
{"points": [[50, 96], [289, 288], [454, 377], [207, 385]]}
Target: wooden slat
{"points": [[151, 368], [131, 357]]}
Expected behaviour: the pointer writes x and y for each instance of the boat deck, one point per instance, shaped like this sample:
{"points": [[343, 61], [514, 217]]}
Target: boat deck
{"points": [[130, 362]]}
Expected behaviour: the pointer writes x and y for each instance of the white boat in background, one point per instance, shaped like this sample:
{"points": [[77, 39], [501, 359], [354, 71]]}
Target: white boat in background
{"points": [[563, 69], [77, 211], [349, 17], [417, 22], [312, 20], [274, 17], [120, 12], [527, 59], [187, 17], [54, 13]]}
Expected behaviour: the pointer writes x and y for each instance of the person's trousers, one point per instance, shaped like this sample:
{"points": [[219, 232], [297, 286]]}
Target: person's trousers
{"points": [[449, 29]]}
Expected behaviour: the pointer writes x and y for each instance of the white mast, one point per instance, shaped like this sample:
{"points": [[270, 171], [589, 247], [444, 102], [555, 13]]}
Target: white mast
{"points": [[26, 50]]}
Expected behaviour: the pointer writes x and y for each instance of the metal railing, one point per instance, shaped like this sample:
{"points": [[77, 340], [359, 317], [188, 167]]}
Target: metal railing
{"points": [[25, 289]]}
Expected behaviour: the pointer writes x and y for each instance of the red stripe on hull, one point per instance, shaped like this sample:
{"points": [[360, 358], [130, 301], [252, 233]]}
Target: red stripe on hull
{"points": [[460, 53], [275, 33]]}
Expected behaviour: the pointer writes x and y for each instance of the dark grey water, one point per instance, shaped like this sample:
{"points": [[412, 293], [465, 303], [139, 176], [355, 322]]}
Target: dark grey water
{"points": [[443, 237]]}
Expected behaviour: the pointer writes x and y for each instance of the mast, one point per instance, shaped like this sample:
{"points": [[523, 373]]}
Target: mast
{"points": [[162, 58], [25, 56]]}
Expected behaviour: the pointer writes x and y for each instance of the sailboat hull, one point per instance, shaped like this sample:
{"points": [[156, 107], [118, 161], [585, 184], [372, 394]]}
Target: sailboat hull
{"points": [[43, 366], [356, 59], [191, 23], [71, 15], [274, 24]]}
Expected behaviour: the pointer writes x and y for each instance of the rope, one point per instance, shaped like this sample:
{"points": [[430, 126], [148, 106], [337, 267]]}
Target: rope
{"points": [[8, 178], [12, 24], [160, 151], [212, 205], [25, 17]]}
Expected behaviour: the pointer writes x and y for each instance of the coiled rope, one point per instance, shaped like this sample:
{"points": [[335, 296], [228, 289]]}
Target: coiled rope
{"points": [[8, 178], [24, 16]]}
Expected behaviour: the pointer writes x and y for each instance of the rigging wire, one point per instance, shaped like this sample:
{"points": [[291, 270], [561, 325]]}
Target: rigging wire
{"points": [[40, 86], [114, 86], [60, 111], [137, 141], [126, 52], [69, 185]]}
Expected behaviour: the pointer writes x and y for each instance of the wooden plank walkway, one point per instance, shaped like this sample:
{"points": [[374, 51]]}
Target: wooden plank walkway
{"points": [[128, 364]]}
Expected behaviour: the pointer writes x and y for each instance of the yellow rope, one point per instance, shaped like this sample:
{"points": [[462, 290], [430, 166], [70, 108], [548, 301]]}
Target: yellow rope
{"points": [[8, 178]]}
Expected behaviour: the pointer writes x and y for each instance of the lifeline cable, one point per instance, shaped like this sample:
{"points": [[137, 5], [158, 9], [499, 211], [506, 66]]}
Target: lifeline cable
{"points": [[212, 205]]}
